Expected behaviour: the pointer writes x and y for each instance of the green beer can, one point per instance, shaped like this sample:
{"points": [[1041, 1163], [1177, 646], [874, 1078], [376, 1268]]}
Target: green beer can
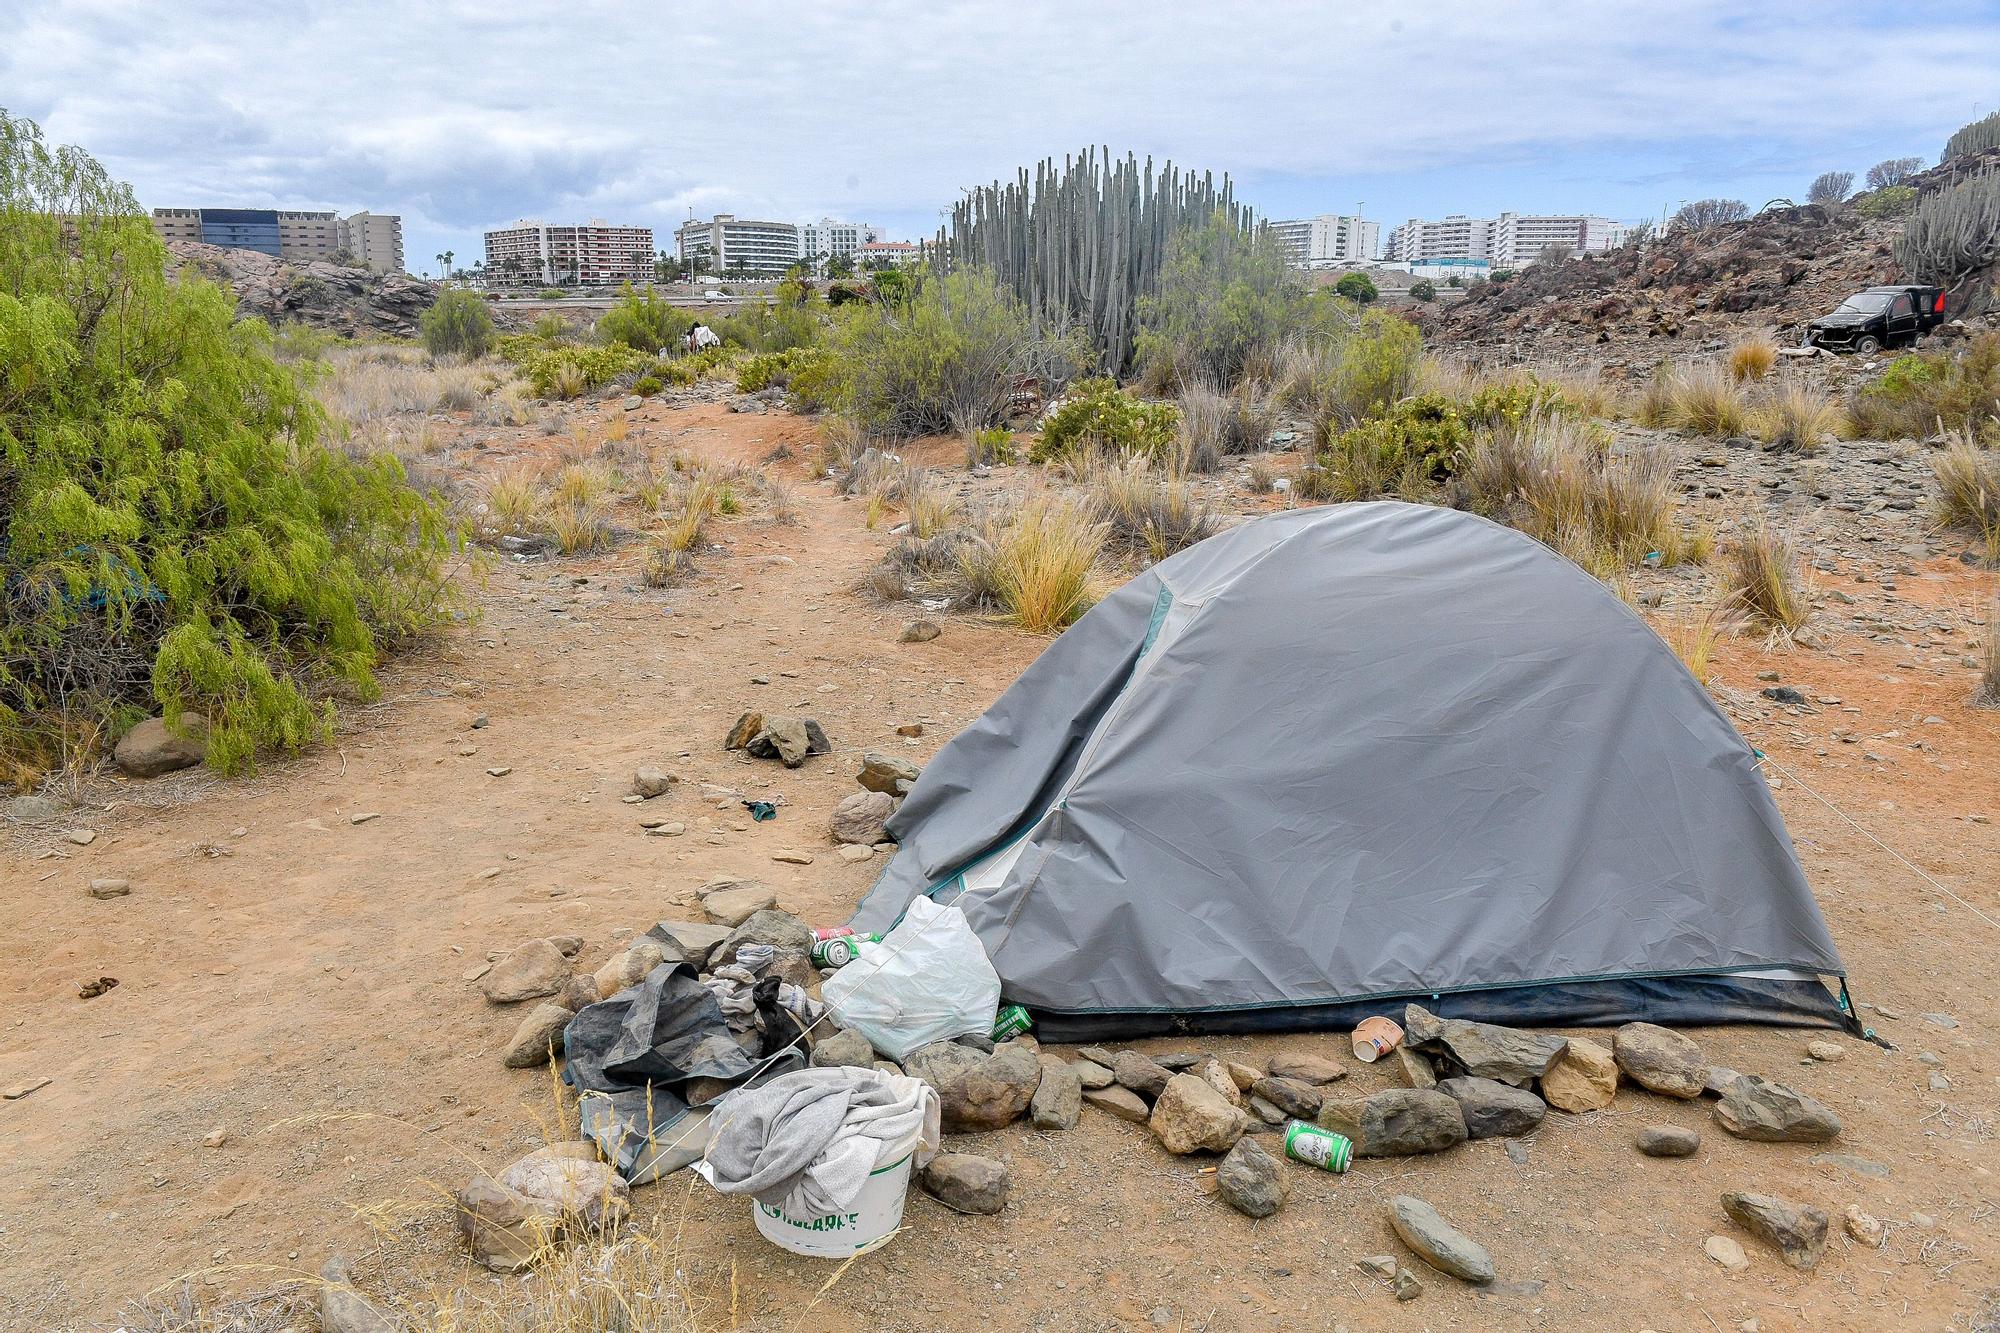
{"points": [[1011, 1021], [1318, 1147]]}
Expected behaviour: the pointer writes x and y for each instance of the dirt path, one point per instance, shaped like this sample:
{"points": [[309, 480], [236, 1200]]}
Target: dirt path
{"points": [[297, 980]]}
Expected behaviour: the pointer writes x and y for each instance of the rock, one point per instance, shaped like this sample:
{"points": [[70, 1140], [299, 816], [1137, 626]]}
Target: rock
{"points": [[746, 729], [1405, 1285], [1140, 1073], [965, 1183], [1660, 1060], [82, 837], [215, 1138], [1493, 1110], [1092, 1075], [535, 969], [886, 773], [1305, 1068], [846, 1049], [1058, 1101], [149, 749], [568, 1180], [1796, 1230], [650, 782], [782, 930], [859, 818], [1378, 1265], [1264, 1111], [792, 856], [569, 946], [32, 808], [1483, 1050], [110, 888], [1242, 1075], [1756, 1108], [1863, 1227], [920, 631], [1860, 1166], [1121, 1102], [628, 968], [502, 1228], [539, 1032], [1190, 1117], [1212, 1072], [1719, 1080], [1288, 1095], [579, 993], [1826, 1051], [783, 739], [856, 855], [342, 1309], [1668, 1141], [977, 1092], [1417, 1070], [1251, 1181], [1726, 1252], [695, 940], [1585, 1079], [1178, 1062], [1396, 1122], [1438, 1243]]}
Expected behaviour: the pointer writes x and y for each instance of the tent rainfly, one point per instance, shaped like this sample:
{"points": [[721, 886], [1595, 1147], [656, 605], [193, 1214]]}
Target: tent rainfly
{"points": [[1342, 757]]}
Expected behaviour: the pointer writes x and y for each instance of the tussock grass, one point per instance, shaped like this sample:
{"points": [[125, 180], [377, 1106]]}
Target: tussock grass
{"points": [[1762, 580], [1967, 492], [361, 384], [1797, 419], [580, 484], [578, 526], [1987, 693], [1585, 388], [1144, 511], [1042, 563], [1263, 476], [1693, 638], [1653, 404], [514, 500], [1753, 357], [665, 566], [930, 503], [1707, 400]]}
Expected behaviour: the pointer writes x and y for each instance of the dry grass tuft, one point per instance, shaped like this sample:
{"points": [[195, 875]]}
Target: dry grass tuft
{"points": [[1797, 419], [1967, 478], [931, 504], [580, 484], [1753, 357], [1041, 565], [514, 500], [1653, 404], [1762, 580], [1144, 511], [578, 527], [666, 566], [1987, 694], [1708, 400], [368, 382], [1693, 638]]}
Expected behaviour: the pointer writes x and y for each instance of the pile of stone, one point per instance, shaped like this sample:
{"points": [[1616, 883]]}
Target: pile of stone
{"points": [[352, 302], [790, 740]]}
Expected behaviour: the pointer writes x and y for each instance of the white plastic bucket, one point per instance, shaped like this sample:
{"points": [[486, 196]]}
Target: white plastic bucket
{"points": [[873, 1219]]}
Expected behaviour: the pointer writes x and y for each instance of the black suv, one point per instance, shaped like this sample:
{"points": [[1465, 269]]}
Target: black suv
{"points": [[1866, 322]]}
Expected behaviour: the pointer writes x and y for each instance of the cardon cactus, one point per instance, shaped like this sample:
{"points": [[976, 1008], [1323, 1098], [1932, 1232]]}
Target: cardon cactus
{"points": [[1954, 233]]}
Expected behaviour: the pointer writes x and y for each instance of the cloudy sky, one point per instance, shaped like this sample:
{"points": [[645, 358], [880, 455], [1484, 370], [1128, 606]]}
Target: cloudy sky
{"points": [[461, 116]]}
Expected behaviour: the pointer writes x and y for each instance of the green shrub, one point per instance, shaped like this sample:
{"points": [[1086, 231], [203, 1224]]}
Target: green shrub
{"points": [[1891, 201], [643, 321], [570, 370], [1356, 287], [1924, 393], [647, 385], [685, 371], [995, 444], [1423, 289], [1356, 375], [1226, 300], [1514, 400], [786, 321], [174, 535], [1096, 418], [457, 324], [1407, 451], [552, 293]]}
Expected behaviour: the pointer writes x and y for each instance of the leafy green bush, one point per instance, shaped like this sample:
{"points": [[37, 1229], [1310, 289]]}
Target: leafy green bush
{"points": [[1406, 451], [1226, 300], [1924, 393], [1097, 418], [457, 324], [570, 370], [643, 321], [1423, 289], [786, 321], [1355, 375], [174, 535], [552, 293], [685, 371], [1891, 201], [1512, 401], [647, 385], [1356, 287]]}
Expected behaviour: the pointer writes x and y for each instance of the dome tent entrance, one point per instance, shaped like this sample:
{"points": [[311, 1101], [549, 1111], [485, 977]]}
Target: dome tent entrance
{"points": [[1344, 756]]}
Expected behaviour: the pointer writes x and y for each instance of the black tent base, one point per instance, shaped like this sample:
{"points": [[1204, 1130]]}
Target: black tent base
{"points": [[1695, 1001]]}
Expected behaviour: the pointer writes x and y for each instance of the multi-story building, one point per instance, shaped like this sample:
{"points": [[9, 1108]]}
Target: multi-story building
{"points": [[827, 239], [594, 253], [877, 254], [1327, 240], [729, 244], [1511, 239], [294, 234]]}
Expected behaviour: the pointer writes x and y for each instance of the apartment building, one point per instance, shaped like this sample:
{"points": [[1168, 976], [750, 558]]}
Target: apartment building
{"points": [[828, 239], [878, 254], [729, 244], [593, 253], [1509, 240], [1328, 240], [295, 234]]}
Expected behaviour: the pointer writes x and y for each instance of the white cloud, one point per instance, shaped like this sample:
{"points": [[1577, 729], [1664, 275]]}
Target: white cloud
{"points": [[469, 115]]}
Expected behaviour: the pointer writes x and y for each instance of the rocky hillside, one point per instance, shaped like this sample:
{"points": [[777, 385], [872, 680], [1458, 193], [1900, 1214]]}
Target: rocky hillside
{"points": [[1775, 270], [349, 301]]}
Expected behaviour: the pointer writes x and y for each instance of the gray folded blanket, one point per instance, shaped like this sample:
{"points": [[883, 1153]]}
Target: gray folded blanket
{"points": [[806, 1142]]}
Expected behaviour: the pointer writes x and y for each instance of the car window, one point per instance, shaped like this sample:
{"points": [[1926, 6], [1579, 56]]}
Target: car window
{"points": [[1902, 306], [1866, 303]]}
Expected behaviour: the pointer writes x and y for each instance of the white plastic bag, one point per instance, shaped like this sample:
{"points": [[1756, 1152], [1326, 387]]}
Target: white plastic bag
{"points": [[928, 980]]}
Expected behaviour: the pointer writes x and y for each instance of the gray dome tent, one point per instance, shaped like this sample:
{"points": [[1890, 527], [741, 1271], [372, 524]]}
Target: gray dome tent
{"points": [[1345, 756]]}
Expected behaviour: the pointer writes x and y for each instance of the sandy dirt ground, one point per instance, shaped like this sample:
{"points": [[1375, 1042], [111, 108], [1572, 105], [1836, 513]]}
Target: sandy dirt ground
{"points": [[297, 980]]}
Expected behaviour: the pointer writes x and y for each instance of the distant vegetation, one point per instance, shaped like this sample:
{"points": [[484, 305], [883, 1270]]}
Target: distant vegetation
{"points": [[457, 324], [1830, 187], [1704, 214], [1893, 171], [1953, 233], [1980, 135]]}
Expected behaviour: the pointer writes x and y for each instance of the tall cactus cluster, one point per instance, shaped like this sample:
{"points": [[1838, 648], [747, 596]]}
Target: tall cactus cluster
{"points": [[1083, 240], [1953, 233], [1980, 134]]}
